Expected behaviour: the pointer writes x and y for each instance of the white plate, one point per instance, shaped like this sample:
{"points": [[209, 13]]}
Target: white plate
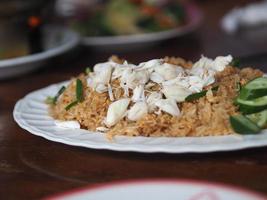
{"points": [[57, 40], [159, 190], [136, 41], [31, 113]]}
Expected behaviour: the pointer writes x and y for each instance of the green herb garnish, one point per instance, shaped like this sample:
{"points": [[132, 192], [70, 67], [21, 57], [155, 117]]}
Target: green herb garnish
{"points": [[235, 62], [198, 95], [53, 100], [71, 105], [50, 100], [79, 90], [79, 95]]}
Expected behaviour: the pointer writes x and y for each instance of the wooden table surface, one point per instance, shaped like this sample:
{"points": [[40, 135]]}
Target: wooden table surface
{"points": [[32, 167]]}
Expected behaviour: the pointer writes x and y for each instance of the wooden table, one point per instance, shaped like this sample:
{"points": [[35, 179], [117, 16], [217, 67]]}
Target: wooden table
{"points": [[32, 167]]}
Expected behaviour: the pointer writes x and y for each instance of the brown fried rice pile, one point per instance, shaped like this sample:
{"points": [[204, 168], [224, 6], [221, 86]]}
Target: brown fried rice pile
{"points": [[206, 116]]}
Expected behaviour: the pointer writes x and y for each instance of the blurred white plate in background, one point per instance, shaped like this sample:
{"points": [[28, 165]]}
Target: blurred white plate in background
{"points": [[57, 40], [136, 41], [169, 189]]}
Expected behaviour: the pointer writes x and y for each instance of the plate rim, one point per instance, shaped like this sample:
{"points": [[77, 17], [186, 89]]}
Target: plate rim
{"points": [[141, 148], [157, 181]]}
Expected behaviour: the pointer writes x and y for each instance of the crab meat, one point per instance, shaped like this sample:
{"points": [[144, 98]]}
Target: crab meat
{"points": [[110, 93], [168, 71], [100, 88], [116, 111], [176, 92], [90, 82], [196, 83], [137, 111], [118, 71], [72, 124], [138, 94], [221, 62], [135, 78], [203, 63], [151, 64], [104, 75], [156, 77], [168, 106], [102, 129], [152, 99]]}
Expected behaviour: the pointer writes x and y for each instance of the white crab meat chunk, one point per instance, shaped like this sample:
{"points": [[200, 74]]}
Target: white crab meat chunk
{"points": [[72, 124], [90, 82], [216, 65], [138, 94], [168, 71], [221, 62], [156, 77], [118, 71], [100, 78], [103, 75], [110, 93], [100, 88], [116, 111], [176, 92], [152, 99], [151, 64], [132, 78], [202, 63], [102, 129], [196, 84], [137, 111], [168, 106]]}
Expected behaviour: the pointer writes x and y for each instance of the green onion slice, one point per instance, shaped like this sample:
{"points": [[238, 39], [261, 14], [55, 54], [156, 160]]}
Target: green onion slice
{"points": [[50, 100], [198, 95], [71, 105], [235, 62], [53, 100], [79, 90]]}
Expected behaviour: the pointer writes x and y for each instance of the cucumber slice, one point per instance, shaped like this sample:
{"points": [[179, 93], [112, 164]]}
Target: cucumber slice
{"points": [[252, 106], [254, 89], [259, 118], [250, 109], [243, 125], [261, 101]]}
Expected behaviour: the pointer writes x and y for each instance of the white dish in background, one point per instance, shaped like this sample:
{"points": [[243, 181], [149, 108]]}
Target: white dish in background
{"points": [[137, 41], [57, 40], [31, 113], [169, 189]]}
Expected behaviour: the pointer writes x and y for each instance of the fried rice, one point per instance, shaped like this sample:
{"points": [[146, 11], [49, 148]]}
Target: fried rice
{"points": [[206, 116]]}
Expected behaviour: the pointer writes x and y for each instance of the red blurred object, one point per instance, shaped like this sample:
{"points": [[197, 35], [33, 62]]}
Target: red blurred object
{"points": [[34, 21]]}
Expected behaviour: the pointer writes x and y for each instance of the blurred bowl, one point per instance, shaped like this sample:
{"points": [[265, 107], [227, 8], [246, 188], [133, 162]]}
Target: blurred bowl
{"points": [[56, 41], [138, 41]]}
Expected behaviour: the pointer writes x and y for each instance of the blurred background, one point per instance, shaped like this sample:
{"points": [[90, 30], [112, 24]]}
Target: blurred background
{"points": [[138, 29]]}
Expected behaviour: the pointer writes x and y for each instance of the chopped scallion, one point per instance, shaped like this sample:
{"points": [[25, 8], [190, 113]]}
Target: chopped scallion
{"points": [[53, 100], [198, 95], [79, 90], [79, 95], [71, 105], [235, 62], [50, 100]]}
